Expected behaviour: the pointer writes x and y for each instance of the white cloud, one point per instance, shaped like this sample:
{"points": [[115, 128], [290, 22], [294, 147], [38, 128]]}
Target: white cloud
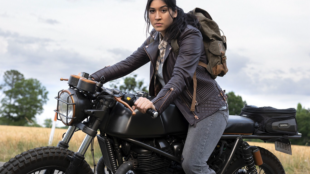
{"points": [[49, 21], [268, 54], [3, 45]]}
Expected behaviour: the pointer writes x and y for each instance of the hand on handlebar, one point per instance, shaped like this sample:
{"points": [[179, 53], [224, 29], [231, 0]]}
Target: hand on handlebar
{"points": [[143, 104]]}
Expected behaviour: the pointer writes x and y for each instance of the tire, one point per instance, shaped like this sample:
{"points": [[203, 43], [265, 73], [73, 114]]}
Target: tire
{"points": [[48, 159], [100, 166], [271, 164]]}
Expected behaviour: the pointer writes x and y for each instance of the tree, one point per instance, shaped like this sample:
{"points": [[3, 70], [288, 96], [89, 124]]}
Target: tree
{"points": [[11, 77], [303, 117], [48, 123], [131, 84], [235, 103], [23, 100]]}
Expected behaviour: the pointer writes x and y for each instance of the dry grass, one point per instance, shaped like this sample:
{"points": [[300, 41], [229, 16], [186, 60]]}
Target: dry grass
{"points": [[296, 163], [15, 140]]}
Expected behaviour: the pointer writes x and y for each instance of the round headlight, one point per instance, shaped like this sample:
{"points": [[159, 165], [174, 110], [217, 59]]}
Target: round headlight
{"points": [[71, 106], [66, 107]]}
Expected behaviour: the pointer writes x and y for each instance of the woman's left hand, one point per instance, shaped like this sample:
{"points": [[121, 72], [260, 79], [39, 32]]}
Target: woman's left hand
{"points": [[143, 104]]}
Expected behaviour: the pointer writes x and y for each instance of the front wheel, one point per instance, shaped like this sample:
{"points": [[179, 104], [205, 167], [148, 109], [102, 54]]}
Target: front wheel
{"points": [[271, 164], [47, 160]]}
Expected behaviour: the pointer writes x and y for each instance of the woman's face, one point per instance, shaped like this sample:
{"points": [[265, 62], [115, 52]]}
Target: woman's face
{"points": [[160, 17]]}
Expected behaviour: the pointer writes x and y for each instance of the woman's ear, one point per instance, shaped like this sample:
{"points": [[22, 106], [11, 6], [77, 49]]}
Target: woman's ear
{"points": [[175, 13]]}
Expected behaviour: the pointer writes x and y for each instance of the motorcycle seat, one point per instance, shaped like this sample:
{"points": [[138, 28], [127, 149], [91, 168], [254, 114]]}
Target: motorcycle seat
{"points": [[239, 125]]}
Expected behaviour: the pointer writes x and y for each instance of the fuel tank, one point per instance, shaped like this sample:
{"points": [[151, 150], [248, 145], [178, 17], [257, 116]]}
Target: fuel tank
{"points": [[122, 123]]}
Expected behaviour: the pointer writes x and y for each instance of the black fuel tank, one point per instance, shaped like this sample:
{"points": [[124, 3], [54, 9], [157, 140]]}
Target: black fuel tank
{"points": [[122, 124]]}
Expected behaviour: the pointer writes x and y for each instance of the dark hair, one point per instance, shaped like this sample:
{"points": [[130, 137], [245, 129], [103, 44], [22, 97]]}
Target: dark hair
{"points": [[179, 23]]}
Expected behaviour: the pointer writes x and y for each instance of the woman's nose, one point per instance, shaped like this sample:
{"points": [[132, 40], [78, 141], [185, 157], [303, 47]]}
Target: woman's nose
{"points": [[157, 16]]}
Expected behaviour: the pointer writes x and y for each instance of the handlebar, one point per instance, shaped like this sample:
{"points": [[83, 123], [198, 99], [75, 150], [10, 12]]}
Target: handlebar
{"points": [[152, 113], [121, 98]]}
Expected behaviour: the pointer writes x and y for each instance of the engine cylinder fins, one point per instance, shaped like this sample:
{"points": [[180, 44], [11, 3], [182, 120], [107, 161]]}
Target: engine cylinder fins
{"points": [[86, 85], [152, 163]]}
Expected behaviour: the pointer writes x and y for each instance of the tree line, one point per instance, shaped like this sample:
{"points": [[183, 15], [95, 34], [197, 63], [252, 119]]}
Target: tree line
{"points": [[24, 99]]}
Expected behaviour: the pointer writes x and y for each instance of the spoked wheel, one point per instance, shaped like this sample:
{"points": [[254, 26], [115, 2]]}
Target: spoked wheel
{"points": [[271, 164], [43, 160]]}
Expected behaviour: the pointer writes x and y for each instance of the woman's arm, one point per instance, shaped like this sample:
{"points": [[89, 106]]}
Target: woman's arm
{"points": [[124, 67], [183, 70]]}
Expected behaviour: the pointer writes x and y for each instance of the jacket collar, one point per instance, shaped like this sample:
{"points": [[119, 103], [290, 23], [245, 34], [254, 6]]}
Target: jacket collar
{"points": [[152, 48]]}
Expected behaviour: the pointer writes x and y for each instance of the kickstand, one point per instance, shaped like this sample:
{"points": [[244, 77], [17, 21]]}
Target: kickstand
{"points": [[92, 153]]}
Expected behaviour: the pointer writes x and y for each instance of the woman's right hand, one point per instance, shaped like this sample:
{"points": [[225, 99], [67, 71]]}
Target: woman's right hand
{"points": [[143, 104]]}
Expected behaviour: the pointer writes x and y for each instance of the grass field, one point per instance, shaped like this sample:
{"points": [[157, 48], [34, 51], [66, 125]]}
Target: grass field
{"points": [[15, 140], [297, 163]]}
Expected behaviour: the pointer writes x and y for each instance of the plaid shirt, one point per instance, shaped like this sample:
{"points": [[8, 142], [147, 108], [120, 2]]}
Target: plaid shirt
{"points": [[162, 51]]}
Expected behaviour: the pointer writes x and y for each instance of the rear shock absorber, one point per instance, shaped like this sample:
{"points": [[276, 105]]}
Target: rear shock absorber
{"points": [[248, 158]]}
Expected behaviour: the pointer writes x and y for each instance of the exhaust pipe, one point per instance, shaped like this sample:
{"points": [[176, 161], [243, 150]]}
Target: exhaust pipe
{"points": [[125, 167]]}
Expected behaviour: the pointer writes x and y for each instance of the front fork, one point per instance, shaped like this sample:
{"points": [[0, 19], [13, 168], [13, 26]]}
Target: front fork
{"points": [[78, 157], [64, 143]]}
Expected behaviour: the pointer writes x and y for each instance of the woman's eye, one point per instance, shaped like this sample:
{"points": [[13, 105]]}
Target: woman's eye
{"points": [[152, 11], [164, 10]]}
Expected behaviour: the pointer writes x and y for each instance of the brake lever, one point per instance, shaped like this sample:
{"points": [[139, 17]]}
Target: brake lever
{"points": [[119, 99]]}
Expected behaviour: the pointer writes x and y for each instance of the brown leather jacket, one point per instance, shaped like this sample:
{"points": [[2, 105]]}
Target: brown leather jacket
{"points": [[178, 73]]}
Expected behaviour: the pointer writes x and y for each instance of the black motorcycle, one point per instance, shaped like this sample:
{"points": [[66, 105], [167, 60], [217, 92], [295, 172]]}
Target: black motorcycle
{"points": [[136, 143]]}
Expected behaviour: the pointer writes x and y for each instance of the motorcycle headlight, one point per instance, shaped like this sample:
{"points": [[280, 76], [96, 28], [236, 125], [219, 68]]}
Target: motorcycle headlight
{"points": [[66, 107], [71, 105]]}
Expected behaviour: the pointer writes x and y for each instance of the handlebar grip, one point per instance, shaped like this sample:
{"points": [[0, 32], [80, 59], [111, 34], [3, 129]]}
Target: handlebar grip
{"points": [[152, 113]]}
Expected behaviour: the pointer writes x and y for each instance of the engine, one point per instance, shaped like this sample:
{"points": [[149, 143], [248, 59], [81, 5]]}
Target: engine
{"points": [[153, 163]]}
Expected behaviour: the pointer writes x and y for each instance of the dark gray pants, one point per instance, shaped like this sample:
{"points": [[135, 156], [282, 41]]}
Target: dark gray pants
{"points": [[201, 141]]}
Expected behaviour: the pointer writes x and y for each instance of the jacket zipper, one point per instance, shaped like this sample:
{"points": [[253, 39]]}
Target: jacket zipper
{"points": [[171, 89]]}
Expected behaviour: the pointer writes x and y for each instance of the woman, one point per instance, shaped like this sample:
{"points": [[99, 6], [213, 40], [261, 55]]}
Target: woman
{"points": [[172, 80]]}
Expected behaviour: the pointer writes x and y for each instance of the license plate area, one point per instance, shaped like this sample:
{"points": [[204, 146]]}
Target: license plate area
{"points": [[283, 146]]}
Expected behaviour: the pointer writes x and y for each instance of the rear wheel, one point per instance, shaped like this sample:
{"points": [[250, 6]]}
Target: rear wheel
{"points": [[271, 164], [45, 160]]}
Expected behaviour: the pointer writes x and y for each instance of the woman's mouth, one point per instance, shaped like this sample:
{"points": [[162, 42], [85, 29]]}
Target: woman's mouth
{"points": [[158, 24]]}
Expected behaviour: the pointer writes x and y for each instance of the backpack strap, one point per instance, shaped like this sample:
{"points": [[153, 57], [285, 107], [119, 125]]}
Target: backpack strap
{"points": [[195, 85], [194, 92], [175, 47], [203, 64]]}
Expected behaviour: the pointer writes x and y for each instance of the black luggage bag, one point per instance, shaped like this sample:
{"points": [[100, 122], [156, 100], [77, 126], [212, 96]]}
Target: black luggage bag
{"points": [[271, 120]]}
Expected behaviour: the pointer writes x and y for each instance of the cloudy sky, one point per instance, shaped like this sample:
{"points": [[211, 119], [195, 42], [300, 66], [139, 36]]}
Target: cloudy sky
{"points": [[268, 43]]}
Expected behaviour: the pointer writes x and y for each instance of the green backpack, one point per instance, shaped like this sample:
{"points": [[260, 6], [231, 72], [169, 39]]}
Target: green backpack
{"points": [[214, 43], [215, 47]]}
